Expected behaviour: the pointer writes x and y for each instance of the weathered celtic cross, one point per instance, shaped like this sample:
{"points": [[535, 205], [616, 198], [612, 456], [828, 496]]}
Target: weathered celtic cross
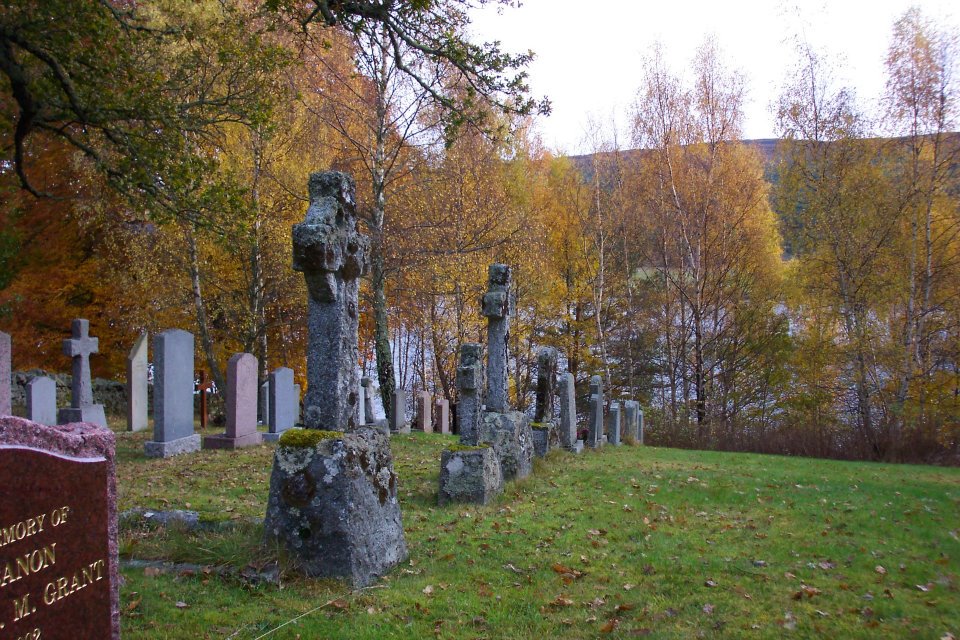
{"points": [[79, 347]]}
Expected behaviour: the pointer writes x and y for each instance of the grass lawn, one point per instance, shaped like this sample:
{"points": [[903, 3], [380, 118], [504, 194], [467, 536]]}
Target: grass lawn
{"points": [[621, 542]]}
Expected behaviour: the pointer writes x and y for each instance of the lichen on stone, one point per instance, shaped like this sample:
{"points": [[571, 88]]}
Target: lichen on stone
{"points": [[307, 438]]}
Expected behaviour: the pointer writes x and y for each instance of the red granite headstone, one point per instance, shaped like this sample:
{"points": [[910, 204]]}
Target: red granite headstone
{"points": [[58, 532]]}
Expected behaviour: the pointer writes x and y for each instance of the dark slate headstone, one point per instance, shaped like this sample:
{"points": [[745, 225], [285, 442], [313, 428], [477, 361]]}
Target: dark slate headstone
{"points": [[241, 406], [58, 532], [6, 367], [265, 402], [173, 385], [80, 347], [137, 391], [42, 400], [283, 403], [614, 424]]}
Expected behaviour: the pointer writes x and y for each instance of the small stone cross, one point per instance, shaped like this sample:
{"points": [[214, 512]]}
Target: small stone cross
{"points": [[79, 347]]}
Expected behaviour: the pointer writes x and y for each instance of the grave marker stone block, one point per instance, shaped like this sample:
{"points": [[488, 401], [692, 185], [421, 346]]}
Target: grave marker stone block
{"points": [[282, 403], [60, 507], [497, 308], [173, 383], [368, 417], [42, 401], [595, 435], [398, 413], [265, 402], [568, 414], [614, 424], [137, 391], [546, 384], [470, 387], [241, 406], [79, 347]]}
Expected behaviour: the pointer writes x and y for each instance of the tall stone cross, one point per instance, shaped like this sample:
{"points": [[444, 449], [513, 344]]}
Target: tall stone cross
{"points": [[498, 308], [332, 254], [79, 347]]}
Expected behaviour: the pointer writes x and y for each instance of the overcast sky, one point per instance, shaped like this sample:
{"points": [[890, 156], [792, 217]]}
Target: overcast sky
{"points": [[589, 53]]}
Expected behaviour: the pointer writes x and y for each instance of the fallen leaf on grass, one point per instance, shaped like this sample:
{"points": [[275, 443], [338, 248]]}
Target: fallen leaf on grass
{"points": [[151, 572], [709, 583], [428, 590], [340, 604], [708, 609], [561, 601], [879, 569], [182, 605], [136, 603], [627, 587], [611, 625]]}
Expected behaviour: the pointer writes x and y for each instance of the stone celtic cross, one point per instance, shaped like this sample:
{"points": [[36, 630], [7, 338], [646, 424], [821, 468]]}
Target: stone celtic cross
{"points": [[497, 308], [80, 347], [332, 254]]}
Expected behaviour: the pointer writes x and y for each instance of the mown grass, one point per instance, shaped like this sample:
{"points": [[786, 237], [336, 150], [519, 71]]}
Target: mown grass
{"points": [[622, 542]]}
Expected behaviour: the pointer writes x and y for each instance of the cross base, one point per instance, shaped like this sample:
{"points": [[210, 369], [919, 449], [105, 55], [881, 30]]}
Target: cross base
{"points": [[223, 441], [172, 448]]}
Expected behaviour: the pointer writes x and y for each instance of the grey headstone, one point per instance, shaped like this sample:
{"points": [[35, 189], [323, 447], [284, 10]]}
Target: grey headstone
{"points": [[282, 403], [471, 476], [546, 437], [173, 386], [42, 401], [613, 424], [6, 371], [265, 402], [631, 420], [137, 391], [640, 439], [424, 412], [470, 389], [398, 413], [497, 308], [595, 436], [441, 415], [368, 416], [241, 406], [546, 384], [361, 404], [332, 255], [568, 411], [79, 347]]}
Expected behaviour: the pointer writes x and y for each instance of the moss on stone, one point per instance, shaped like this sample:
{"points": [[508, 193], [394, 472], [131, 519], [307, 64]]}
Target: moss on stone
{"points": [[540, 426], [306, 438], [466, 447]]}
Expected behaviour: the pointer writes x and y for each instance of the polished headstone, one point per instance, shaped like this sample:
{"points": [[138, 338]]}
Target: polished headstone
{"points": [[265, 402], [137, 391], [283, 403], [80, 347], [173, 383], [241, 406], [42, 400], [59, 507], [398, 413]]}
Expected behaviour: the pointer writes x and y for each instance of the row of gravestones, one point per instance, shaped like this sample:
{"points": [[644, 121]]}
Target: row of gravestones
{"points": [[173, 414], [432, 416]]}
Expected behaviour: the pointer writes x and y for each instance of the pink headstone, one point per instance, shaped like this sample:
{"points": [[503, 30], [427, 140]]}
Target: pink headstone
{"points": [[424, 419], [242, 391]]}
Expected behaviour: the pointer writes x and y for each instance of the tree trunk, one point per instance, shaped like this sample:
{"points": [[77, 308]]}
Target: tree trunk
{"points": [[203, 326]]}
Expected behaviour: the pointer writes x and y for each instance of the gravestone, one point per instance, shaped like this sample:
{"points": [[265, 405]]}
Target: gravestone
{"points": [[546, 384], [297, 397], [595, 435], [368, 417], [6, 371], [58, 517], [42, 401], [640, 439], [333, 492], [173, 431], [361, 405], [631, 420], [137, 392], [398, 413], [80, 347], [470, 389], [498, 309], [441, 415], [469, 475], [568, 414], [332, 255], [241, 406], [613, 424], [283, 403], [265, 402], [424, 415]]}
